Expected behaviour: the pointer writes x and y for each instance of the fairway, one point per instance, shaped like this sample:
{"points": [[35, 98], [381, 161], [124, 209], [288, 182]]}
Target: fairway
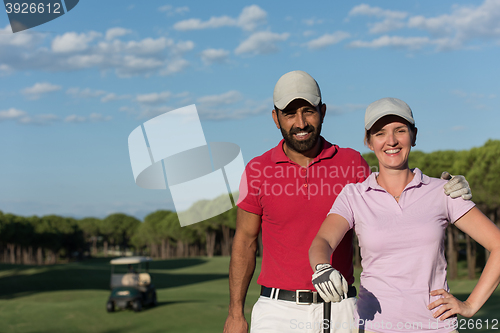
{"points": [[192, 293]]}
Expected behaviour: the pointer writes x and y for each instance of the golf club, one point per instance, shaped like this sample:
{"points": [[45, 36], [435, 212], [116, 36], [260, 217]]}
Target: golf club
{"points": [[327, 310]]}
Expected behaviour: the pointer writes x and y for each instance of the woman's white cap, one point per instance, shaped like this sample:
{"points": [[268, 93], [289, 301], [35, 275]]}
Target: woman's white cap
{"points": [[387, 106], [296, 85]]}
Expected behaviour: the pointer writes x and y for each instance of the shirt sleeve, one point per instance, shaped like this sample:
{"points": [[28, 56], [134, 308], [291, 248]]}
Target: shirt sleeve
{"points": [[457, 208], [342, 206], [249, 196]]}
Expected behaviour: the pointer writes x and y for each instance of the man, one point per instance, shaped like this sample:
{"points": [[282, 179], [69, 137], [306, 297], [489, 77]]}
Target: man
{"points": [[288, 192]]}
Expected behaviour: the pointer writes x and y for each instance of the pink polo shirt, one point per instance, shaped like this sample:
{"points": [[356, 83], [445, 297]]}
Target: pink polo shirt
{"points": [[293, 202], [402, 250]]}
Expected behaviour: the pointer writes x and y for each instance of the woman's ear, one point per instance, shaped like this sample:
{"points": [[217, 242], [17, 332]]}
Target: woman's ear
{"points": [[369, 144], [414, 141]]}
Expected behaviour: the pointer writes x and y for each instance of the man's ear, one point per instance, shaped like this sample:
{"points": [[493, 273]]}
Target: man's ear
{"points": [[323, 111], [275, 118]]}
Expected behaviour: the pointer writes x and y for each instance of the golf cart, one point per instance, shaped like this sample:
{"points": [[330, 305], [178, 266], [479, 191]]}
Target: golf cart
{"points": [[129, 285]]}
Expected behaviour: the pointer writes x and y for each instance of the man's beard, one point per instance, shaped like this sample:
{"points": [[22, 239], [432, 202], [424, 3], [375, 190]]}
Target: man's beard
{"points": [[301, 146]]}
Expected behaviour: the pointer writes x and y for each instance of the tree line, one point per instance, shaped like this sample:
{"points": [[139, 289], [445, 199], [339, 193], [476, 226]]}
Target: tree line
{"points": [[50, 239]]}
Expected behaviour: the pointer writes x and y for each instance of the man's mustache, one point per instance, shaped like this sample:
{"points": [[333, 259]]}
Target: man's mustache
{"points": [[307, 129]]}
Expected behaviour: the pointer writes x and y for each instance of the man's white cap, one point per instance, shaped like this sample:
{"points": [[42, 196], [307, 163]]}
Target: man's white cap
{"points": [[387, 106], [295, 85]]}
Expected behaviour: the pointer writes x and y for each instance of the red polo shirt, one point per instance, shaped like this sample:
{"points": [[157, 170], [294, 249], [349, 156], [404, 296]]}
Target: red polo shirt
{"points": [[293, 202]]}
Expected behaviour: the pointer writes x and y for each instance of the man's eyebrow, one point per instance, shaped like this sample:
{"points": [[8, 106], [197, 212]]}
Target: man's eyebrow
{"points": [[305, 108]]}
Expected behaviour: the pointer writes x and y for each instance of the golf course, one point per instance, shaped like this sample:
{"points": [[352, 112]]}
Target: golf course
{"points": [[192, 297]]}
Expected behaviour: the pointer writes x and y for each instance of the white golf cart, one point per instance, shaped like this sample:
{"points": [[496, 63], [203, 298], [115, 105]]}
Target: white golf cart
{"points": [[131, 284]]}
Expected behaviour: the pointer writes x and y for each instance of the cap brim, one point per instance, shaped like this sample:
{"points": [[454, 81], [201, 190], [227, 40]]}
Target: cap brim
{"points": [[389, 113], [287, 99]]}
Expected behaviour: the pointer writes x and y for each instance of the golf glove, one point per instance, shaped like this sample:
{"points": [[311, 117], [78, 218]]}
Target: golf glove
{"points": [[456, 186], [330, 284]]}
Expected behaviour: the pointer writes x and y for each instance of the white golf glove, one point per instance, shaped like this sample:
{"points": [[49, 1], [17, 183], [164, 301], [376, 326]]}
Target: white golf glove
{"points": [[456, 186], [330, 284]]}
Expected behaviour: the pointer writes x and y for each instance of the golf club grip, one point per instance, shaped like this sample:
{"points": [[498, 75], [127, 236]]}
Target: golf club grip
{"points": [[327, 311]]}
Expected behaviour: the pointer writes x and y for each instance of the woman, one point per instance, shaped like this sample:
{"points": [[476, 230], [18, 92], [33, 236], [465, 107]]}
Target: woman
{"points": [[400, 216]]}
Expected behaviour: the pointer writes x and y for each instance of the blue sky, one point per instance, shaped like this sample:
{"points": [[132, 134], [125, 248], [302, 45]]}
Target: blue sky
{"points": [[74, 88]]}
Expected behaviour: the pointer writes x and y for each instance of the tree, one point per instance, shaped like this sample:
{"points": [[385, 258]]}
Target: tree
{"points": [[481, 167], [90, 228], [118, 229]]}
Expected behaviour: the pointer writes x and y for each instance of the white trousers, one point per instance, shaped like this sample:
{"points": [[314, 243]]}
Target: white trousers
{"points": [[273, 316]]}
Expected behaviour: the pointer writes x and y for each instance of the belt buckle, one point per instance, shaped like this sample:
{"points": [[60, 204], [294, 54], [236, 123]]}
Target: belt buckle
{"points": [[297, 299]]}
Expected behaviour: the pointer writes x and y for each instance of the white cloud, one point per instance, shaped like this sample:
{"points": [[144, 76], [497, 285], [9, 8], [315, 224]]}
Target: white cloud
{"points": [[11, 113], [144, 46], [147, 45], [386, 26], [39, 89], [328, 39], [237, 110], [262, 42], [113, 97], [197, 24], [97, 117], [75, 119], [42, 119], [150, 112], [116, 32], [85, 93], [133, 65], [88, 93], [229, 97], [23, 118], [465, 23], [249, 19], [393, 20], [174, 66], [5, 69], [312, 21], [171, 10], [73, 42], [153, 98], [93, 117], [368, 10], [413, 43], [185, 46], [229, 105], [210, 56], [78, 51], [22, 39], [452, 31]]}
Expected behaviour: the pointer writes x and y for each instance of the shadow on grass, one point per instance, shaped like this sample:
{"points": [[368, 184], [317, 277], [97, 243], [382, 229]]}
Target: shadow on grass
{"points": [[92, 274], [148, 307]]}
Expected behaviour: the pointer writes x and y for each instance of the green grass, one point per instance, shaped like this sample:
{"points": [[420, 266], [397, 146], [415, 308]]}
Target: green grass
{"points": [[192, 293]]}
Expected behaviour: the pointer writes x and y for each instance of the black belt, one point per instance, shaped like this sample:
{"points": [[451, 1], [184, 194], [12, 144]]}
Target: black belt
{"points": [[298, 296]]}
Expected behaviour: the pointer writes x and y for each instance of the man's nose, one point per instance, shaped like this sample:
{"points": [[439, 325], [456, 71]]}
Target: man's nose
{"points": [[300, 121]]}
